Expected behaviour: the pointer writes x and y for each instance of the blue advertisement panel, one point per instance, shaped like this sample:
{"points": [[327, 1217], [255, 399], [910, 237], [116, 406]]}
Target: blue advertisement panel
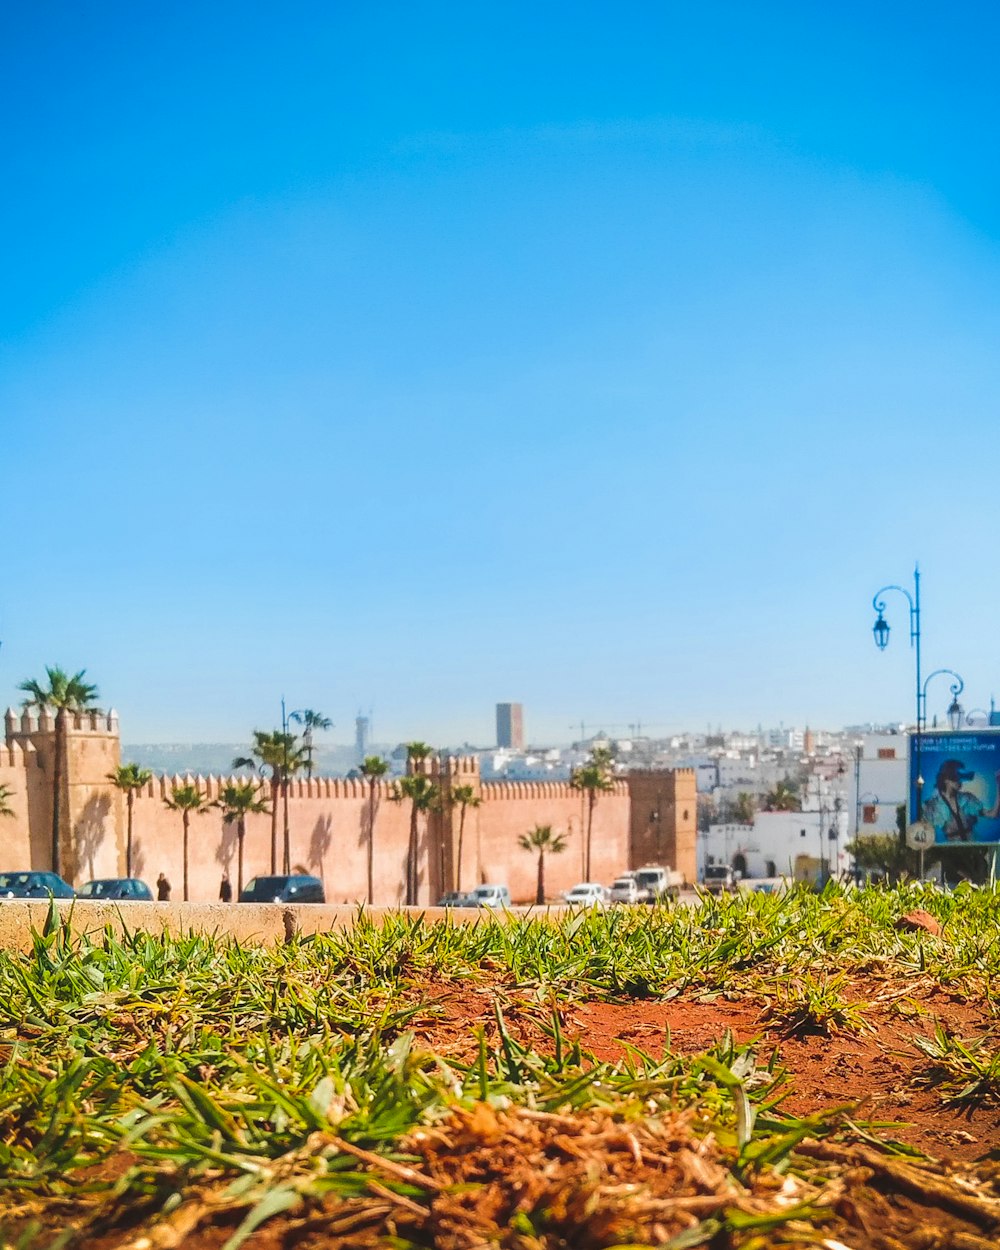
{"points": [[960, 796]]}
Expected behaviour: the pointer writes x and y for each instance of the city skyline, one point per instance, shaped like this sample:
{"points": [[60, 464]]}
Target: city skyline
{"points": [[412, 361]]}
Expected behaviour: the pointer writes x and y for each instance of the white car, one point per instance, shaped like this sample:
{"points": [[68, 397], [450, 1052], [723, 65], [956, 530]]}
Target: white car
{"points": [[586, 894], [490, 896], [625, 890]]}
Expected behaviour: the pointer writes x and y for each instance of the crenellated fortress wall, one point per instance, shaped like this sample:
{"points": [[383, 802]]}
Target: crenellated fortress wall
{"points": [[328, 820]]}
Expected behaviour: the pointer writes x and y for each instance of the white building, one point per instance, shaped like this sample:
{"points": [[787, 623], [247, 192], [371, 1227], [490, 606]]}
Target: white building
{"points": [[735, 770], [878, 780], [781, 844]]}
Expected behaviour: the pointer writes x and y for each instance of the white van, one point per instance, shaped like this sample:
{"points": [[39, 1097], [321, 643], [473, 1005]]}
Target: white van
{"points": [[491, 896], [586, 894]]}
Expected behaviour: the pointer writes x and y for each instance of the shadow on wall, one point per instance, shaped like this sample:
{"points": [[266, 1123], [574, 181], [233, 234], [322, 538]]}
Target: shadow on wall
{"points": [[319, 844], [366, 819], [90, 830], [138, 858], [226, 852]]}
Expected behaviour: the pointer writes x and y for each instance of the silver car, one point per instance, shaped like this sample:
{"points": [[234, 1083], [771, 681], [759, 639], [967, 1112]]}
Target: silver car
{"points": [[491, 896], [586, 894], [625, 890]]}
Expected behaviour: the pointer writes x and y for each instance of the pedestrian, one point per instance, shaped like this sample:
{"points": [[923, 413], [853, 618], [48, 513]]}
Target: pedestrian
{"points": [[225, 889], [162, 889]]}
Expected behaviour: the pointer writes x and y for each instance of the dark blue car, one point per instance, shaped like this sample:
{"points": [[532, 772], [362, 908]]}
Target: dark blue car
{"points": [[116, 887], [41, 885]]}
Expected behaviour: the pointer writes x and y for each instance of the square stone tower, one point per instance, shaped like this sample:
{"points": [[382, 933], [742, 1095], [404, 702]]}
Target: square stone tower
{"points": [[91, 824], [663, 822]]}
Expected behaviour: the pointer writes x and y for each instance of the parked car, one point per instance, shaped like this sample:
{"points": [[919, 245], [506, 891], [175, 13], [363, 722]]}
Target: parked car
{"points": [[34, 885], [625, 889], [491, 896], [586, 894], [720, 879], [116, 887], [455, 898], [295, 889]]}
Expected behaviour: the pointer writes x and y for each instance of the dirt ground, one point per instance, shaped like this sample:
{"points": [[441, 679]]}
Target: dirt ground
{"points": [[877, 1071], [600, 1184]]}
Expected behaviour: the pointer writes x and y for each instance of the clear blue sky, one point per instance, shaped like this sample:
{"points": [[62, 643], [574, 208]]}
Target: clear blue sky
{"points": [[602, 357]]}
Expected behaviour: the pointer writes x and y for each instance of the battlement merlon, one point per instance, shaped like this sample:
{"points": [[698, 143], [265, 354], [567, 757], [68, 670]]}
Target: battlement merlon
{"points": [[32, 723]]}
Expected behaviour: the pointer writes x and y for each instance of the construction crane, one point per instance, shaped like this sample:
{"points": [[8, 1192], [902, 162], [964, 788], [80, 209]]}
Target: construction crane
{"points": [[634, 728]]}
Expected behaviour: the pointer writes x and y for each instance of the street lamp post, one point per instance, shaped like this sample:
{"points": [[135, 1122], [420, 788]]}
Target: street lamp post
{"points": [[838, 804], [880, 632], [954, 715], [285, 849], [820, 876]]}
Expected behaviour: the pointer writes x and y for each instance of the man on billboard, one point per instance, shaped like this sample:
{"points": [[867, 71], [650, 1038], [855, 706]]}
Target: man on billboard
{"points": [[953, 811]]}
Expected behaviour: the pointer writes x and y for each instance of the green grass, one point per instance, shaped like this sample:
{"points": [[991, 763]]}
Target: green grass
{"points": [[280, 1070], [965, 1070]]}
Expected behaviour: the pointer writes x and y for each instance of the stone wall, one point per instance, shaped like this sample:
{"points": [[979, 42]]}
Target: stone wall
{"points": [[328, 823]]}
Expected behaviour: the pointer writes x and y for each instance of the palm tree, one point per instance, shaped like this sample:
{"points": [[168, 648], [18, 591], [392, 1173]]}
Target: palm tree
{"points": [[466, 797], [592, 779], [129, 778], [238, 800], [417, 752], [783, 798], [423, 795], [310, 722], [744, 808], [186, 799], [6, 794], [64, 696], [373, 769], [279, 752], [540, 840]]}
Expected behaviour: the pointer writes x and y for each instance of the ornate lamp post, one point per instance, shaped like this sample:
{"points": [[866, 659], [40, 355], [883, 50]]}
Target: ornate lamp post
{"points": [[880, 632], [954, 714]]}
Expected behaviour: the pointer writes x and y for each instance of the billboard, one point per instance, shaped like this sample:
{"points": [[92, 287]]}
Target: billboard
{"points": [[960, 797]]}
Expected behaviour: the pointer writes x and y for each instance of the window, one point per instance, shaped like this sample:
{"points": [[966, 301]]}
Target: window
{"points": [[887, 753], [802, 833], [869, 813]]}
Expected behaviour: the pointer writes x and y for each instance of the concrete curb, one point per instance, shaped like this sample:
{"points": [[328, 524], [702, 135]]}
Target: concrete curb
{"points": [[245, 922]]}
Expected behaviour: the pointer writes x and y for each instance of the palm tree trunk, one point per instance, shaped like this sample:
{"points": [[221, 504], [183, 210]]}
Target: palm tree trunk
{"points": [[274, 824], [187, 819], [371, 842], [591, 800], [461, 835], [129, 800], [57, 742], [540, 891], [411, 861], [241, 829], [286, 841]]}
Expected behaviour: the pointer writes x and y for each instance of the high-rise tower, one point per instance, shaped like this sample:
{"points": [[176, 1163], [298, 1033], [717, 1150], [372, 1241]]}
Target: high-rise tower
{"points": [[362, 735], [510, 726]]}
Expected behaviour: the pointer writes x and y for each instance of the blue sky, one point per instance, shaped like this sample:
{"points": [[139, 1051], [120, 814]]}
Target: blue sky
{"points": [[606, 358]]}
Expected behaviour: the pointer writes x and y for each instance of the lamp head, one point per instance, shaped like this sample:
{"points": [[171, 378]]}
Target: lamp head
{"points": [[880, 631], [955, 713]]}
